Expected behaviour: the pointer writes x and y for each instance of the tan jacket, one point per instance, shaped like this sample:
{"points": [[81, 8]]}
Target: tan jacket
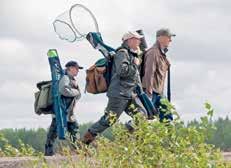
{"points": [[156, 66]]}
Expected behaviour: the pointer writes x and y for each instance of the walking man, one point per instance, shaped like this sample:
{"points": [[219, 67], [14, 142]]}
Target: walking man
{"points": [[125, 77], [70, 93], [156, 66]]}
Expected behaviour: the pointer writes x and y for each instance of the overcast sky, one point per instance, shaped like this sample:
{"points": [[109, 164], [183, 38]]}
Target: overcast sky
{"points": [[200, 53]]}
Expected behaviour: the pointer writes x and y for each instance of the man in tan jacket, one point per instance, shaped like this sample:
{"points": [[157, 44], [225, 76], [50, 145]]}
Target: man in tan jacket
{"points": [[156, 66]]}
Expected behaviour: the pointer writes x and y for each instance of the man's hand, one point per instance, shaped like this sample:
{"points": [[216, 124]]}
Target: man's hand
{"points": [[149, 93], [136, 61], [75, 84]]}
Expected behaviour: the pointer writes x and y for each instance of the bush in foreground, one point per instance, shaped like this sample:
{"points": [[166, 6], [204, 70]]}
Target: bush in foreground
{"points": [[155, 144]]}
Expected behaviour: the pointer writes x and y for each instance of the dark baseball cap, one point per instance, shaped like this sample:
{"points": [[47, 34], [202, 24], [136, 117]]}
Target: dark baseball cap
{"points": [[73, 64], [164, 32]]}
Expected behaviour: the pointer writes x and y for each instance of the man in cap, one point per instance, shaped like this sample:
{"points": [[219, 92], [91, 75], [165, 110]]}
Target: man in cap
{"points": [[125, 77], [156, 66], [70, 93]]}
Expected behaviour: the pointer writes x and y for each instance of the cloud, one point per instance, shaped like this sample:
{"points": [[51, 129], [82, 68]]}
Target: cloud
{"points": [[198, 83], [200, 53]]}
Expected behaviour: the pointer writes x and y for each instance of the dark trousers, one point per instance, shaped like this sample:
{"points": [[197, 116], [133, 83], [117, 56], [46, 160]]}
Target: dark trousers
{"points": [[156, 97], [114, 109], [72, 128]]}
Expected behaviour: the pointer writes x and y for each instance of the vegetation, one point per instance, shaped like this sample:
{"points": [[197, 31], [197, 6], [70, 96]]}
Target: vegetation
{"points": [[221, 136], [22, 150], [156, 144], [152, 144], [35, 138]]}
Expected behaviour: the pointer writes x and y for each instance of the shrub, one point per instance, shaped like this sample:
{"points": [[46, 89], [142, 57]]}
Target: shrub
{"points": [[156, 144]]}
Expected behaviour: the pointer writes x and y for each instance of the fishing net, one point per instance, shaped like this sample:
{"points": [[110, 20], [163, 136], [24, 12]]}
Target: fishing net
{"points": [[75, 23]]}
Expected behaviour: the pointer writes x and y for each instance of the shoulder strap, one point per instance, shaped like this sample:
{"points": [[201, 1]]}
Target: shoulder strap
{"points": [[122, 49], [126, 51], [169, 85]]}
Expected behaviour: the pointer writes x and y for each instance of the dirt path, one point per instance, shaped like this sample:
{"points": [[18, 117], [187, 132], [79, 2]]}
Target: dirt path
{"points": [[28, 162], [24, 162], [227, 156], [14, 162]]}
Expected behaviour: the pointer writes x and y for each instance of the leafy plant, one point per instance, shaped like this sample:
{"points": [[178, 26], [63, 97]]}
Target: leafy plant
{"points": [[8, 150], [161, 144]]}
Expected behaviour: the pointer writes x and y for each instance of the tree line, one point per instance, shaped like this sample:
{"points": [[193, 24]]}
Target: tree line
{"points": [[220, 136]]}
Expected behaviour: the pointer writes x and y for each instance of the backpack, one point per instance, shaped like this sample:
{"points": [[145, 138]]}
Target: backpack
{"points": [[98, 76], [43, 98]]}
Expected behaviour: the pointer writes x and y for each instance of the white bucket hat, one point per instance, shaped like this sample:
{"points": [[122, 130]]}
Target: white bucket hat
{"points": [[130, 35]]}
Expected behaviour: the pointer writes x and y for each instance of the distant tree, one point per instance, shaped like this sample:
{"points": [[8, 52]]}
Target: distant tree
{"points": [[220, 137]]}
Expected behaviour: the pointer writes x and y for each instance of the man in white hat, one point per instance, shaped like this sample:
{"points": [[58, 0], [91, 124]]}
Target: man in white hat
{"points": [[125, 77]]}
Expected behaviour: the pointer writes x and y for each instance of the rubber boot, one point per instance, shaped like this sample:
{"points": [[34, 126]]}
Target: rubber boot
{"points": [[88, 138], [49, 151], [129, 126]]}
